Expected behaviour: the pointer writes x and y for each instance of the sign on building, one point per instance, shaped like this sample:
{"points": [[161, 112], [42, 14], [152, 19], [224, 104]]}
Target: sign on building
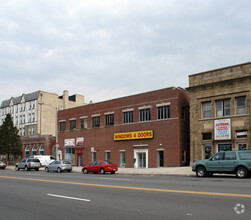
{"points": [[222, 129]]}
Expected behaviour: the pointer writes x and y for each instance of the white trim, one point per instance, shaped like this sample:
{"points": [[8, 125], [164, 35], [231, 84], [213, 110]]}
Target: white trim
{"points": [[96, 115], [163, 104], [145, 107], [141, 145], [83, 117], [136, 151], [109, 113], [128, 110]]}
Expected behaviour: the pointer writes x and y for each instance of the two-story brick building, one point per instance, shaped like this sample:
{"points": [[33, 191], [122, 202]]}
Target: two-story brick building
{"points": [[144, 130], [220, 110]]}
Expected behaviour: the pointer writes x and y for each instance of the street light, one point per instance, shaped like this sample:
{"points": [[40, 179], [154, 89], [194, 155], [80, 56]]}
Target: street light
{"points": [[56, 125]]}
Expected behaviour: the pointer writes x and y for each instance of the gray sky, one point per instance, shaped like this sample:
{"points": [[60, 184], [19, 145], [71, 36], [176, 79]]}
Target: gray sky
{"points": [[105, 49]]}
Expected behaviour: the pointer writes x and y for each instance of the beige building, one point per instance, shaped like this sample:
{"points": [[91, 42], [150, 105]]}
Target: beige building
{"points": [[35, 116], [220, 111]]}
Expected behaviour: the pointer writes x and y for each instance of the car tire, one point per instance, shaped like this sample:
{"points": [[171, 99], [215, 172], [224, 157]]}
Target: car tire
{"points": [[46, 169], [68, 171], [241, 172], [17, 168], [85, 171], [112, 172], [37, 169], [201, 172], [102, 171], [58, 170], [26, 168]]}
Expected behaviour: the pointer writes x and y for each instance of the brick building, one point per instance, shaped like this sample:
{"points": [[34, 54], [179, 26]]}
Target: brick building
{"points": [[220, 110], [144, 130]]}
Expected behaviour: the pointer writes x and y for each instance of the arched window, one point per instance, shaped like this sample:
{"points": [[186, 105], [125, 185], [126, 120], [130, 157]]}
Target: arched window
{"points": [[41, 150], [34, 150], [27, 152]]}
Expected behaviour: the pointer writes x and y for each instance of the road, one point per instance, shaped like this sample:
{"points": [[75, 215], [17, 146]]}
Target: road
{"points": [[40, 195]]}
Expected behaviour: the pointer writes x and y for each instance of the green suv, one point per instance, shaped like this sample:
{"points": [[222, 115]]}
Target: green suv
{"points": [[232, 162]]}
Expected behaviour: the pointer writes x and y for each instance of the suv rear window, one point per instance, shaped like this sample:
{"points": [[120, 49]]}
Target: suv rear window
{"points": [[245, 155], [33, 160]]}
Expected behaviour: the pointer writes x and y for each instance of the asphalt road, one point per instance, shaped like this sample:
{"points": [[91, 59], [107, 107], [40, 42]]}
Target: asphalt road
{"points": [[40, 195]]}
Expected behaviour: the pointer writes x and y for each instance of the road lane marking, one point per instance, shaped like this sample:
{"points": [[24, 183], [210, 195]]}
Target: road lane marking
{"points": [[110, 178], [134, 188], [68, 197]]}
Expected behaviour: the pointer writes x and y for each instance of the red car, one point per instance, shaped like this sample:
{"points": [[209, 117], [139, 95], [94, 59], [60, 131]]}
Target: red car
{"points": [[101, 166]]}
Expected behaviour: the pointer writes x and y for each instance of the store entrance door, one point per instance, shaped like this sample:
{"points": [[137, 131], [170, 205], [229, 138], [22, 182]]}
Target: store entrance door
{"points": [[79, 160], [142, 160]]}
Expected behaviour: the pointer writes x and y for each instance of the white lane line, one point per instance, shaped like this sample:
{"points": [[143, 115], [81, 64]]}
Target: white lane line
{"points": [[67, 197]]}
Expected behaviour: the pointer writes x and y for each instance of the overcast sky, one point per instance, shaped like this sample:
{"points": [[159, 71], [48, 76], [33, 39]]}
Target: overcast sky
{"points": [[105, 49]]}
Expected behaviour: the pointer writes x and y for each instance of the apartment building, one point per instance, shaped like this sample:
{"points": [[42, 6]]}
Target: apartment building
{"points": [[35, 116], [220, 110]]}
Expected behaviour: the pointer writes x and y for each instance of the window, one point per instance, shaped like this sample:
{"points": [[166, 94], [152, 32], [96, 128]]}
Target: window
{"points": [[207, 136], [62, 126], [93, 156], [240, 105], [96, 121], [241, 134], [206, 108], [72, 124], [128, 117], [223, 108], [230, 155], [83, 123], [163, 112], [242, 146], [145, 114], [160, 159], [34, 150], [218, 156], [41, 150], [109, 119], [108, 156], [27, 152], [122, 159]]}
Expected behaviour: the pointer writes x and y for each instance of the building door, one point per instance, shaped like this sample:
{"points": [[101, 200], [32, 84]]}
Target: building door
{"points": [[142, 160], [161, 158], [207, 151], [79, 160]]}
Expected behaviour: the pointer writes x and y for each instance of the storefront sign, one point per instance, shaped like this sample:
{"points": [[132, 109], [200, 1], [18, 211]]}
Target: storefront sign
{"points": [[222, 129], [69, 142], [80, 141], [133, 135]]}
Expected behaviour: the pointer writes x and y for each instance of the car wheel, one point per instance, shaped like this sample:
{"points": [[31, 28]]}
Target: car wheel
{"points": [[85, 171], [241, 172], [17, 168], [102, 171], [201, 172], [46, 169], [26, 168], [37, 169], [68, 171], [58, 169], [112, 172], [210, 174]]}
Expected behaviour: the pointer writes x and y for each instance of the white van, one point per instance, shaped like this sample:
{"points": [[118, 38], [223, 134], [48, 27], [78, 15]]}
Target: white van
{"points": [[44, 159]]}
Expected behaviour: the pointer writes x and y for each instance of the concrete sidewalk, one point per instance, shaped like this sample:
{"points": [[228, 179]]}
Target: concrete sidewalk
{"points": [[182, 171]]}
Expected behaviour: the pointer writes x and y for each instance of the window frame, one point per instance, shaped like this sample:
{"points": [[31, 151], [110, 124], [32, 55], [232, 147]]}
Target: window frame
{"points": [[145, 114], [206, 111], [128, 117], [163, 112]]}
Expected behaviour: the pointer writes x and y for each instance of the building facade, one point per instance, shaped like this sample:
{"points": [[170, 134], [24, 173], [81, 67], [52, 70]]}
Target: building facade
{"points": [[220, 110], [35, 116], [144, 130]]}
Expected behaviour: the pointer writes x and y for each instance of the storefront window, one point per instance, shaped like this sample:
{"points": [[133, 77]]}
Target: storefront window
{"points": [[242, 146], [207, 151], [34, 150], [122, 158], [70, 155], [224, 147], [108, 156]]}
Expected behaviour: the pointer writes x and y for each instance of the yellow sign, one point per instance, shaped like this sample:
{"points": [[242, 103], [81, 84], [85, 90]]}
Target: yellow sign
{"points": [[133, 135]]}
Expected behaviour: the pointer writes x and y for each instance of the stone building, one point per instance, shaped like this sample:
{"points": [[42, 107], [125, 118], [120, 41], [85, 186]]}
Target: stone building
{"points": [[220, 110], [35, 116], [144, 130]]}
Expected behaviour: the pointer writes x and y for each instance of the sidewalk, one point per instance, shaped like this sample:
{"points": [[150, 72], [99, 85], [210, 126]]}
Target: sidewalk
{"points": [[182, 171]]}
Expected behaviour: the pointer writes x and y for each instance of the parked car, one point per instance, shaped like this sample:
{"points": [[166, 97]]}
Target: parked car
{"points": [[2, 165], [101, 166], [28, 164], [229, 162], [59, 165], [44, 159]]}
